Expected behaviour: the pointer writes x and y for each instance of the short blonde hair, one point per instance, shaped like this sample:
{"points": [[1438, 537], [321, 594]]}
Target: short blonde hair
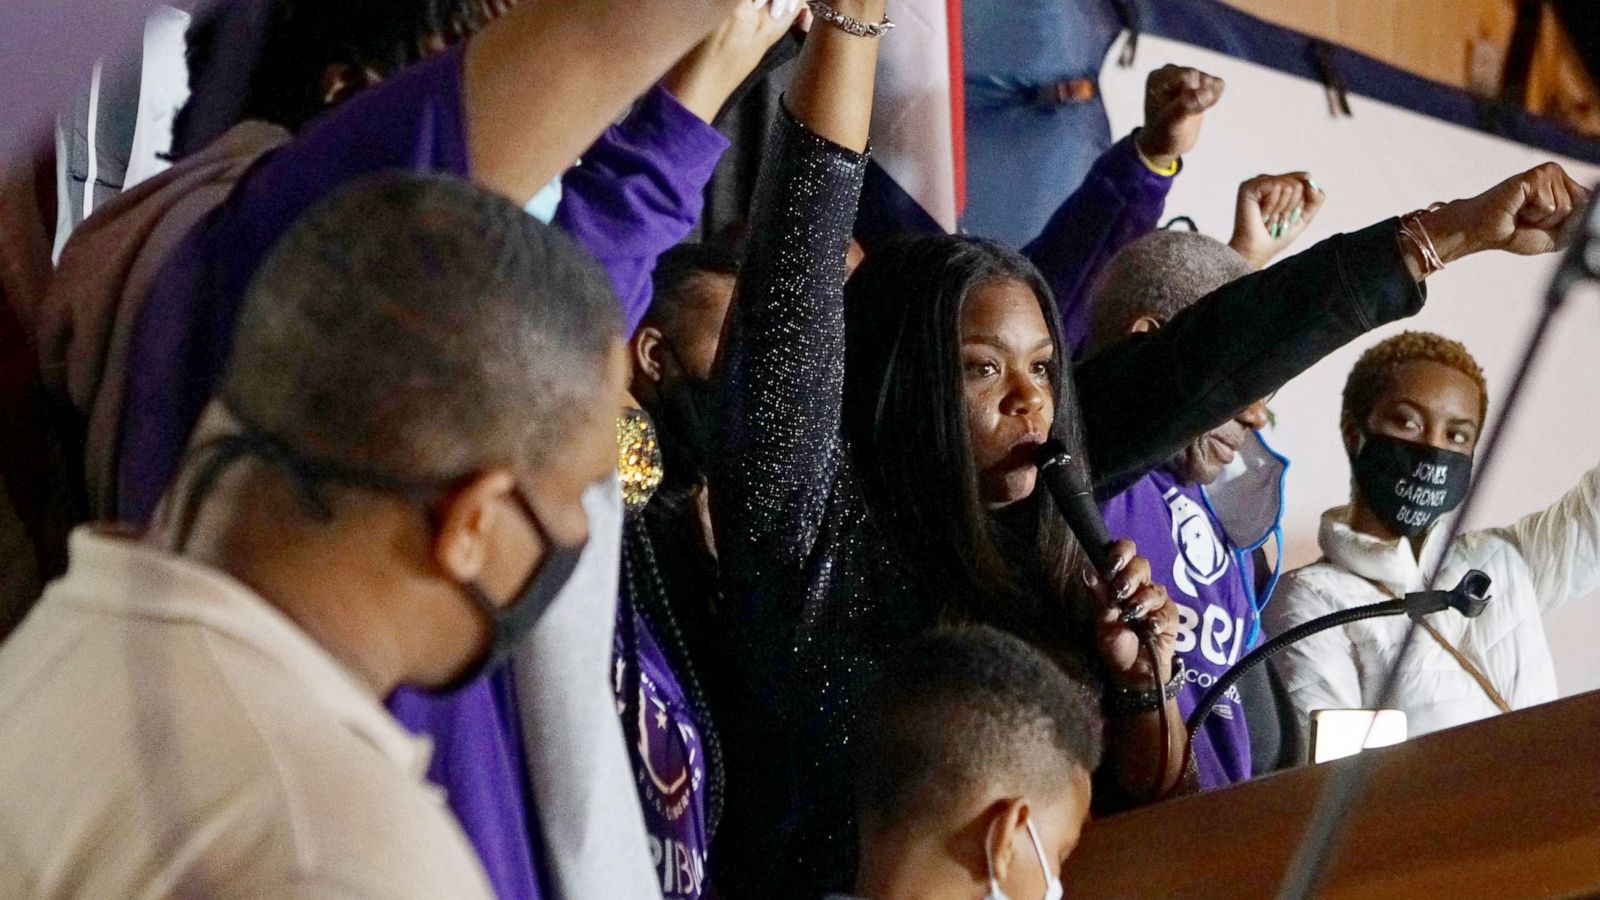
{"points": [[1370, 377]]}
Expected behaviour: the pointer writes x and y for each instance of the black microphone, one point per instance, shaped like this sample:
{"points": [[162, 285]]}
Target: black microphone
{"points": [[1068, 484]]}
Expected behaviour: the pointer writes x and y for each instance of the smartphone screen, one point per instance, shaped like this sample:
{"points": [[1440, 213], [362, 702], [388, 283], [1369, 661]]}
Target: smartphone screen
{"points": [[1337, 733]]}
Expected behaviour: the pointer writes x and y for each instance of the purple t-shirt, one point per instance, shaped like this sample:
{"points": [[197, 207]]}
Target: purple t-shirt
{"points": [[668, 758], [637, 192], [1189, 554], [182, 335]]}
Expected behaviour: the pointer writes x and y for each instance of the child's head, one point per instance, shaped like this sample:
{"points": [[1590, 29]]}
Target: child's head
{"points": [[975, 750]]}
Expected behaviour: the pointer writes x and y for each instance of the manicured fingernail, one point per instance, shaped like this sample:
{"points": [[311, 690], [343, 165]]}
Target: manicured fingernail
{"points": [[1267, 221], [1294, 218], [1314, 186], [1124, 591]]}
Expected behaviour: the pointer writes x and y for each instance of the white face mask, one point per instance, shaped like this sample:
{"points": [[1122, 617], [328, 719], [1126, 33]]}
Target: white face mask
{"points": [[1247, 498], [1052, 884], [543, 205]]}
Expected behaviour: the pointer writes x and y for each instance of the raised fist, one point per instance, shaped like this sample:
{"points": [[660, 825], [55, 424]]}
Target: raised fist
{"points": [[1526, 214], [1175, 102], [1272, 211]]}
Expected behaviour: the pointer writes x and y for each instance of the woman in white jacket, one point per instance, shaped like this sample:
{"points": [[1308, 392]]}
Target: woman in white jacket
{"points": [[1413, 409]]}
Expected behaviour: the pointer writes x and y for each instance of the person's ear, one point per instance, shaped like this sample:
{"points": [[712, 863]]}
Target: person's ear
{"points": [[1351, 433], [465, 524], [1007, 820], [340, 81], [646, 349], [1143, 324], [1256, 416]]}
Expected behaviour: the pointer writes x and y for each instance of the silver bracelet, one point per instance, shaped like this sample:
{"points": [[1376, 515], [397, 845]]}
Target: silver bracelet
{"points": [[848, 25], [1122, 702]]}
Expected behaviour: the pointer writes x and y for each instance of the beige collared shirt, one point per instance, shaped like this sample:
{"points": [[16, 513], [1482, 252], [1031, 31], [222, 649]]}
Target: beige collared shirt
{"points": [[166, 732]]}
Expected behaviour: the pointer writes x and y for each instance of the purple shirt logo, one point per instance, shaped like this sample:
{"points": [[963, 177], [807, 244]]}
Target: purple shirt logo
{"points": [[668, 761], [1188, 554], [1201, 557]]}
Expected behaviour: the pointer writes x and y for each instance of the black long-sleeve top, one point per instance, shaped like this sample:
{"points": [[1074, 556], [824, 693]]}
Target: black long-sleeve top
{"points": [[813, 600]]}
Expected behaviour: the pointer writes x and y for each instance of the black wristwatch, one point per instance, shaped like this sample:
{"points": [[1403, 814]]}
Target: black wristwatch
{"points": [[1121, 702]]}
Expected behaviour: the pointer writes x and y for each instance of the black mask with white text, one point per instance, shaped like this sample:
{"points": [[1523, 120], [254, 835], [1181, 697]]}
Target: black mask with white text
{"points": [[1408, 485]]}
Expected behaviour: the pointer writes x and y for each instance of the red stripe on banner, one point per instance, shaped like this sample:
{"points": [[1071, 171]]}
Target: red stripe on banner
{"points": [[958, 103]]}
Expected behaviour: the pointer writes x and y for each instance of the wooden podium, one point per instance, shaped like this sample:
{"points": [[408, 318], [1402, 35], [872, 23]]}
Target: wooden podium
{"points": [[1505, 808]]}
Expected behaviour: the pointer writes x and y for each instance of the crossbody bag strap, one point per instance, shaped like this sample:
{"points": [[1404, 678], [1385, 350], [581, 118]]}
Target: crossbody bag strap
{"points": [[1470, 667], [1467, 664]]}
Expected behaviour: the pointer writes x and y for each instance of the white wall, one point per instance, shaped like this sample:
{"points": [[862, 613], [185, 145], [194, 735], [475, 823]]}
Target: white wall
{"points": [[1382, 162]]}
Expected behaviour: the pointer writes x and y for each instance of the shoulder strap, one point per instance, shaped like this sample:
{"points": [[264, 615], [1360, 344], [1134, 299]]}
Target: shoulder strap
{"points": [[1470, 667], [1467, 664]]}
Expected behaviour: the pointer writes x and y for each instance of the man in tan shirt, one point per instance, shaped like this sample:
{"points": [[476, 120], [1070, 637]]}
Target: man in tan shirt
{"points": [[387, 491]]}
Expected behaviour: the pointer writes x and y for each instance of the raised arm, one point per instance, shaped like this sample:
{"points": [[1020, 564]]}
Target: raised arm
{"points": [[1145, 397], [641, 187], [1272, 211], [1124, 195], [549, 75], [782, 377], [1562, 544]]}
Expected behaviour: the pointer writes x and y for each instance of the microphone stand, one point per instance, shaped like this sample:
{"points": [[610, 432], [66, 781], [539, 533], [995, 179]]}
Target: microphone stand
{"points": [[1469, 597], [1346, 784]]}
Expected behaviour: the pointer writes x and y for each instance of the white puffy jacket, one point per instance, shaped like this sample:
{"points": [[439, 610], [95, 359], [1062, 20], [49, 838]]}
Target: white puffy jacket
{"points": [[1537, 564]]}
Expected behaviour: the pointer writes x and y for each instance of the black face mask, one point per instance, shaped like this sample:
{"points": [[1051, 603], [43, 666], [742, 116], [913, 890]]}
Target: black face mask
{"points": [[686, 423], [1409, 486], [509, 625]]}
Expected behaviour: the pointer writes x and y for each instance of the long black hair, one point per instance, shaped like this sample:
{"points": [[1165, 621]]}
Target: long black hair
{"points": [[904, 420]]}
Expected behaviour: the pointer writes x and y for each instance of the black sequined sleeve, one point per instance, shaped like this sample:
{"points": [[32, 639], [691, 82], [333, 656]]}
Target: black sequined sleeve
{"points": [[782, 373]]}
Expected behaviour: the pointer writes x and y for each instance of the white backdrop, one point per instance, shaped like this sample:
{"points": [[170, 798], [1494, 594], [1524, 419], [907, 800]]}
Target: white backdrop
{"points": [[1382, 162]]}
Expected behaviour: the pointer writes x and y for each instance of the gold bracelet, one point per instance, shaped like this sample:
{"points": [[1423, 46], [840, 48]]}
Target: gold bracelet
{"points": [[1411, 228]]}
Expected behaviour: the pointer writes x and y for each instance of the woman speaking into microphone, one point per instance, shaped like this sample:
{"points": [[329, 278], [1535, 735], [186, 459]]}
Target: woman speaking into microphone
{"points": [[876, 472]]}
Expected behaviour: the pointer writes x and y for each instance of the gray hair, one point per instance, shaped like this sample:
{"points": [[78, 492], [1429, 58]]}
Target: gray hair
{"points": [[1160, 275], [424, 327]]}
